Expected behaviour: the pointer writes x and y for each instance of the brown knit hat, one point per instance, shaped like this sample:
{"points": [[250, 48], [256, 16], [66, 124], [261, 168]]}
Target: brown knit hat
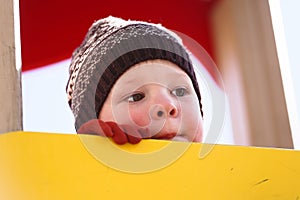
{"points": [[111, 46]]}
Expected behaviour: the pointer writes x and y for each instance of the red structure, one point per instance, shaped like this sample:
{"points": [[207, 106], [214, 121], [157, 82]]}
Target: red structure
{"points": [[51, 30]]}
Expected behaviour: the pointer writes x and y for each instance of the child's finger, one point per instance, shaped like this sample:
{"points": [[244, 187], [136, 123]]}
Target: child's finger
{"points": [[133, 135], [133, 139], [106, 129], [119, 137]]}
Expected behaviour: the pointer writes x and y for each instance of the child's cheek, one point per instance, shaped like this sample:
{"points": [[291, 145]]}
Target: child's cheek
{"points": [[192, 120], [139, 117]]}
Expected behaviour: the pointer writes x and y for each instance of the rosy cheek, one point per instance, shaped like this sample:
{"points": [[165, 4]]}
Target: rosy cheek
{"points": [[139, 116], [192, 120]]}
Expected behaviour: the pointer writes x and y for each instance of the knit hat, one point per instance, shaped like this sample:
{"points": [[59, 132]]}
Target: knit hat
{"points": [[111, 46]]}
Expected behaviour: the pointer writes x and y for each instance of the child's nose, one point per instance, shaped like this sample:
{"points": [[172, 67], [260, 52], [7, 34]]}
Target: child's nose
{"points": [[162, 111]]}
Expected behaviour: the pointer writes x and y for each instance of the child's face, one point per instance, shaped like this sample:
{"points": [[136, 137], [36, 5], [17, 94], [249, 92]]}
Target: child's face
{"points": [[156, 96]]}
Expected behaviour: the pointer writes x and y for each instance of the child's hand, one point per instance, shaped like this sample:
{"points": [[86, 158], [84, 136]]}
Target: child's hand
{"points": [[119, 134]]}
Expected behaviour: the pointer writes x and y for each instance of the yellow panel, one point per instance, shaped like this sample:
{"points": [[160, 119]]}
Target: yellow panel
{"points": [[37, 166]]}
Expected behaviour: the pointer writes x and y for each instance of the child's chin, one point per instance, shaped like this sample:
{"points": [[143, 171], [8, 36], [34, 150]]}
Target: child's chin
{"points": [[180, 139]]}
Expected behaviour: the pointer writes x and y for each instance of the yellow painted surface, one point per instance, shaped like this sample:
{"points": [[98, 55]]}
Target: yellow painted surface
{"points": [[38, 166]]}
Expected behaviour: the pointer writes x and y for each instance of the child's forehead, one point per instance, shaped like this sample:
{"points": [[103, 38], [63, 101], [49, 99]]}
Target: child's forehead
{"points": [[156, 66], [152, 72]]}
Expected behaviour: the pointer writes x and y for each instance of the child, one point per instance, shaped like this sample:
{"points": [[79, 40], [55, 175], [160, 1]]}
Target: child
{"points": [[131, 80]]}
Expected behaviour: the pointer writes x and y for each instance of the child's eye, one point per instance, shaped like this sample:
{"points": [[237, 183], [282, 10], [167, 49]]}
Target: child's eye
{"points": [[179, 92], [135, 97]]}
